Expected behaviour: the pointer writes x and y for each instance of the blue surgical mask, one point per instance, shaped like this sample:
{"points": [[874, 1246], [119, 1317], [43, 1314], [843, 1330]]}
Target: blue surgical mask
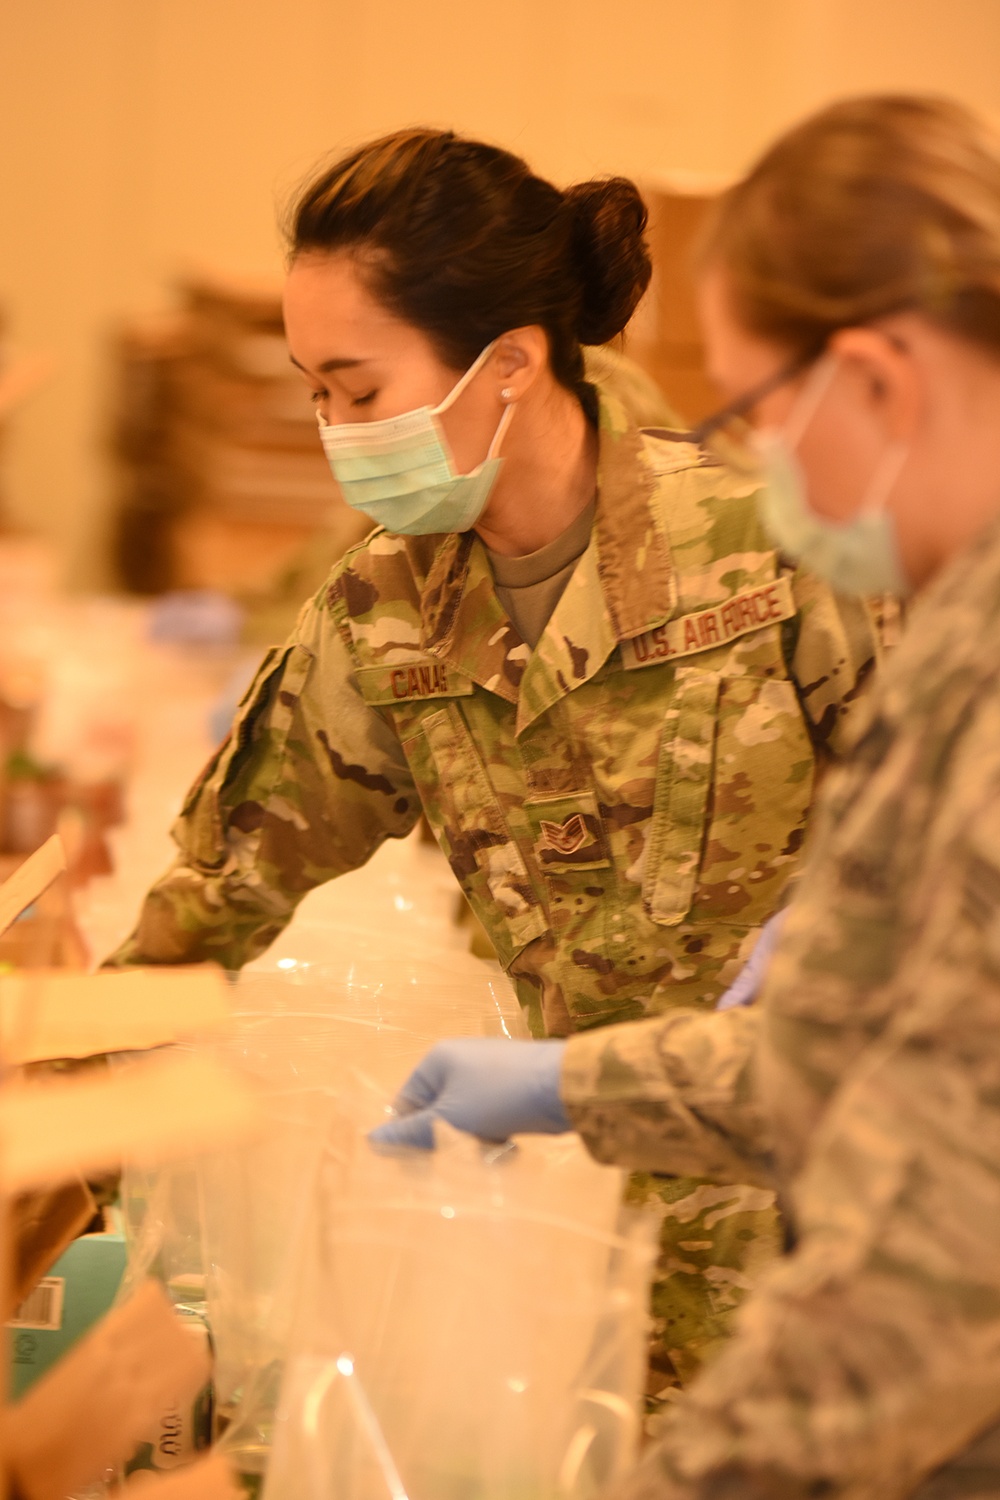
{"points": [[859, 556], [400, 471]]}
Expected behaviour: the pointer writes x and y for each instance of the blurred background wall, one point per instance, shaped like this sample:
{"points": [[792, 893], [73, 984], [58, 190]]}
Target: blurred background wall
{"points": [[138, 137]]}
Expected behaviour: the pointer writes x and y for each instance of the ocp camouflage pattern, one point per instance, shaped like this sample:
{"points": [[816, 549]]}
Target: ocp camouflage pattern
{"points": [[865, 1087], [623, 806]]}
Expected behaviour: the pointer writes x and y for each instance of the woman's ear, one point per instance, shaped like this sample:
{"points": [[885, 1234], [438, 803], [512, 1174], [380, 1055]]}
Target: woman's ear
{"points": [[885, 374], [522, 355]]}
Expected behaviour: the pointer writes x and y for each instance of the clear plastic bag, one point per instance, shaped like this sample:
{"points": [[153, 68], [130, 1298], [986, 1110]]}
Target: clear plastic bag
{"points": [[309, 1041], [162, 1219], [428, 997], [470, 1323]]}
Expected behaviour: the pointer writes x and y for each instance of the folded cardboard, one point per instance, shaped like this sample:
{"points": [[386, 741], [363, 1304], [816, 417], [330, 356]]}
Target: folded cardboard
{"points": [[145, 1110], [58, 1014], [65, 1304], [30, 880], [43, 1224], [90, 1410]]}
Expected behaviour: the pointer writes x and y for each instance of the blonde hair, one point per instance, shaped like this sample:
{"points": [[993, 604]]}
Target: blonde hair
{"points": [[872, 206]]}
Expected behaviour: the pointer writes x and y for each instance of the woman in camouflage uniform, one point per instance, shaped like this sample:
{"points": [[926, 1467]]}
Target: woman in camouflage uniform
{"points": [[852, 287], [570, 644]]}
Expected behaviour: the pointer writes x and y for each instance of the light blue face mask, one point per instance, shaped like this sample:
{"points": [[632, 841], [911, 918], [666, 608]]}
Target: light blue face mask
{"points": [[400, 471], [859, 556]]}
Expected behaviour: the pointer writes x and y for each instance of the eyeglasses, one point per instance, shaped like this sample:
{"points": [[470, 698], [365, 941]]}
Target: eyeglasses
{"points": [[736, 410], [726, 433]]}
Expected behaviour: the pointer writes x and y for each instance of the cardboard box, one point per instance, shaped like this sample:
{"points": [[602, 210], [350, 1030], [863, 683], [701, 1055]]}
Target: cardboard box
{"points": [[78, 1290]]}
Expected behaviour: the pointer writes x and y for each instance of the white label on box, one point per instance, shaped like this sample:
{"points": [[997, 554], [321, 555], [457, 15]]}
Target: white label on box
{"points": [[42, 1307], [174, 1442]]}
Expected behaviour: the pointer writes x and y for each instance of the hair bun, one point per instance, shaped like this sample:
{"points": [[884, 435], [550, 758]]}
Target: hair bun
{"points": [[611, 254]]}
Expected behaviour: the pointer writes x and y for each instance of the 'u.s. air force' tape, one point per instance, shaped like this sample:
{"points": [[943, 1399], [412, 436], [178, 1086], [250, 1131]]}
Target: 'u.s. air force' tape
{"points": [[750, 610]]}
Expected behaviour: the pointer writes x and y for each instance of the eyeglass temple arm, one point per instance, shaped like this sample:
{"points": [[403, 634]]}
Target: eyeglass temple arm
{"points": [[738, 407]]}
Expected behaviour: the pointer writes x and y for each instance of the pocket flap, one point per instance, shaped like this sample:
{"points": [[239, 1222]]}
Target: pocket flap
{"points": [[683, 783], [470, 826]]}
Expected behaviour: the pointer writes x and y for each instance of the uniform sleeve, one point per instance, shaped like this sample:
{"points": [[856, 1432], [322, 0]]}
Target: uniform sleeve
{"points": [[838, 644], [306, 786], [675, 1094], [869, 1359]]}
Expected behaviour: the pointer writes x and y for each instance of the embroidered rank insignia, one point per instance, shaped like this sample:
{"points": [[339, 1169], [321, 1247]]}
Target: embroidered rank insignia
{"points": [[569, 831], [564, 838]]}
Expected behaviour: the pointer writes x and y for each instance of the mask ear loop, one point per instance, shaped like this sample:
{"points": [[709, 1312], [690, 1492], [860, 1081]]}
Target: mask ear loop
{"points": [[890, 464], [504, 423], [811, 395], [470, 375], [456, 391], [883, 481]]}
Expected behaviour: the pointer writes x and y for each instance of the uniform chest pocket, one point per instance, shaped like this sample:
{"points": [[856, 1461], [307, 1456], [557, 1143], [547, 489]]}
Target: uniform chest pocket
{"points": [[733, 789], [468, 821]]}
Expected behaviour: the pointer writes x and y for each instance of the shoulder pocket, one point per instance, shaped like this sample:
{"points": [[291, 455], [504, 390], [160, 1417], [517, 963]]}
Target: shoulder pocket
{"points": [[256, 745]]}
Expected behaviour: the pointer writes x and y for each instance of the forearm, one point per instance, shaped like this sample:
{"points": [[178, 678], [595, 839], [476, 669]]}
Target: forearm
{"points": [[870, 1356], [191, 916], [675, 1094]]}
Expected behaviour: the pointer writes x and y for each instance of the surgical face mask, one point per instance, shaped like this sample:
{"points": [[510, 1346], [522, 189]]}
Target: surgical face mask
{"points": [[859, 556], [400, 471]]}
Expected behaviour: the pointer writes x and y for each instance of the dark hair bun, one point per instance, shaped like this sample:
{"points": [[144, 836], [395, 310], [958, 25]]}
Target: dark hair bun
{"points": [[611, 254], [462, 240]]}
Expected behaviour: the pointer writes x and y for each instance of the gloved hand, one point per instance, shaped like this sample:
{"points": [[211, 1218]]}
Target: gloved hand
{"points": [[491, 1088], [746, 986]]}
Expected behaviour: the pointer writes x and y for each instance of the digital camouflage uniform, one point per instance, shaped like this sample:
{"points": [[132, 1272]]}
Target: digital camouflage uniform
{"points": [[622, 807], [866, 1086]]}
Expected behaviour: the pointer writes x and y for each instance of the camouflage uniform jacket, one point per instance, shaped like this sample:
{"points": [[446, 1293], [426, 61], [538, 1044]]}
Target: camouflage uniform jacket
{"points": [[867, 1087], [622, 807]]}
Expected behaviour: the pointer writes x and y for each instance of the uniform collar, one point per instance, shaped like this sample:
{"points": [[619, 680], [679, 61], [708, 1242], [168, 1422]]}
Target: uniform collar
{"points": [[634, 563], [627, 567]]}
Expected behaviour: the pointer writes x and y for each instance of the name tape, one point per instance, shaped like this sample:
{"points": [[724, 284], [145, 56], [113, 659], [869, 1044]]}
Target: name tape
{"points": [[743, 613], [414, 680]]}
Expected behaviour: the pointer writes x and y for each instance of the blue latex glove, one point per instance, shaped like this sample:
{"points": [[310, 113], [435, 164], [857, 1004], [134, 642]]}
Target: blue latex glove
{"points": [[746, 986], [489, 1087]]}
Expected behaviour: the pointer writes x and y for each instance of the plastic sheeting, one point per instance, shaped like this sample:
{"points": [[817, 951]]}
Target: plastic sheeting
{"points": [[470, 1323], [308, 1041]]}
